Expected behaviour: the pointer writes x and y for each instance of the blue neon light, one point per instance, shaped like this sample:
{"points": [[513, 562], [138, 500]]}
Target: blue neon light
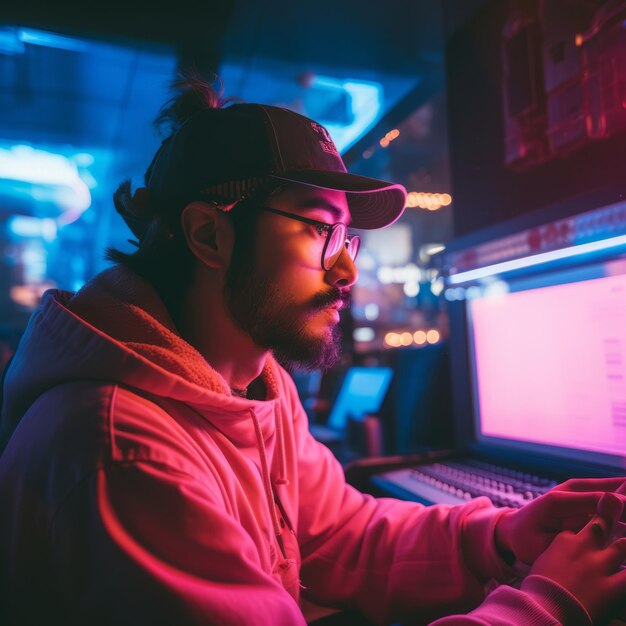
{"points": [[50, 177], [51, 40], [366, 102], [536, 259], [10, 43]]}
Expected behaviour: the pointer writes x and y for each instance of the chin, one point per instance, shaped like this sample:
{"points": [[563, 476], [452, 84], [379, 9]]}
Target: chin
{"points": [[310, 351]]}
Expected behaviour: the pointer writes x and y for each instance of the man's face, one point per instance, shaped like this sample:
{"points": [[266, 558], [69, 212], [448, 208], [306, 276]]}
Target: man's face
{"points": [[285, 300]]}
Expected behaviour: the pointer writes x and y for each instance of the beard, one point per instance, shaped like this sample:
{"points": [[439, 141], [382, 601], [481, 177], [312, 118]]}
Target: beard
{"points": [[267, 316]]}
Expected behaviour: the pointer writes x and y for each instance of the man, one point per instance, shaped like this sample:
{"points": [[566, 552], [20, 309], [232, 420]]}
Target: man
{"points": [[158, 468]]}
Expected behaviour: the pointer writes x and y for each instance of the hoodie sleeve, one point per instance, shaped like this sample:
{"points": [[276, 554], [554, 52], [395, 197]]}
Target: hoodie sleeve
{"points": [[393, 560], [143, 543], [131, 524], [540, 601]]}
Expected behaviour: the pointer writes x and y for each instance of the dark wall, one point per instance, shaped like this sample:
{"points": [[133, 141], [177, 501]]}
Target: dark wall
{"points": [[417, 412], [485, 191]]}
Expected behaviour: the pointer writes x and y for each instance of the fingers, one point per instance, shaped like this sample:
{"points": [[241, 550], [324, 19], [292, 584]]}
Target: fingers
{"points": [[610, 508], [593, 484], [619, 530], [600, 531], [570, 503], [619, 579], [616, 554], [575, 508], [601, 527], [595, 532], [610, 505]]}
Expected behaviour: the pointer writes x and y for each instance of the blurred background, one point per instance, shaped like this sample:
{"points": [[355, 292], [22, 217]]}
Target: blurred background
{"points": [[484, 109], [80, 86]]}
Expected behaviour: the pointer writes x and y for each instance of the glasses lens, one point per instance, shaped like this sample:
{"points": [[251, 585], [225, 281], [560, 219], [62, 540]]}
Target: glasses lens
{"points": [[354, 245], [334, 245]]}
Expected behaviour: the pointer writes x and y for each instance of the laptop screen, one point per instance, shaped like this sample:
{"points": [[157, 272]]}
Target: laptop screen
{"points": [[362, 391], [548, 361]]}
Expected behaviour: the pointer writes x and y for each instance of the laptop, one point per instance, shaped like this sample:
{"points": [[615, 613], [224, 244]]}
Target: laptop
{"points": [[362, 392], [538, 339]]}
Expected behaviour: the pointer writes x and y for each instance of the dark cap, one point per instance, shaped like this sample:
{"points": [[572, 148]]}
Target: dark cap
{"points": [[230, 152]]}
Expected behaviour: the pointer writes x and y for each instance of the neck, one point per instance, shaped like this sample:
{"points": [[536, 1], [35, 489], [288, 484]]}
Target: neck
{"points": [[207, 325]]}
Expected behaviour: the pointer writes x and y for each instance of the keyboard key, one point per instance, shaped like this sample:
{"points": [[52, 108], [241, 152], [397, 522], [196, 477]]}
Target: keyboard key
{"points": [[458, 481]]}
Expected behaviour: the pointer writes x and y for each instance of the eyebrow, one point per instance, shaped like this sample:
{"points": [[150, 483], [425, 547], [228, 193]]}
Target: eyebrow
{"points": [[317, 202]]}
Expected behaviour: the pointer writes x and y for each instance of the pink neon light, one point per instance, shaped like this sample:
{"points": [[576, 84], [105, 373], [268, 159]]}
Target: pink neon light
{"points": [[551, 364]]}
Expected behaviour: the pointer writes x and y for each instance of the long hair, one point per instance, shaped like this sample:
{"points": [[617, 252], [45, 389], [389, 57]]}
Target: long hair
{"points": [[162, 256]]}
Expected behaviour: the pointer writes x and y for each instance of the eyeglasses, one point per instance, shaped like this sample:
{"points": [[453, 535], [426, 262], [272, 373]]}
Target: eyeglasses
{"points": [[337, 238]]}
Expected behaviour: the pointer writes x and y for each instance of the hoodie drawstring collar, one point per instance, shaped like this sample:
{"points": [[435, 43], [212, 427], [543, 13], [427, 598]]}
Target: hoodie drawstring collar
{"points": [[267, 485], [280, 434]]}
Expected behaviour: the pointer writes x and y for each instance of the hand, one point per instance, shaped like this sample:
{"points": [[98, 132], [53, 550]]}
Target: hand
{"points": [[588, 567], [527, 532]]}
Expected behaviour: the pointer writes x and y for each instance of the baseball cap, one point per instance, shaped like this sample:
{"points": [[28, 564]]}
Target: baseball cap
{"points": [[231, 152]]}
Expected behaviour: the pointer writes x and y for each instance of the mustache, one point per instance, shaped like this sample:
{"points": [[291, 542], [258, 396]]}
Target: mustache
{"points": [[334, 294]]}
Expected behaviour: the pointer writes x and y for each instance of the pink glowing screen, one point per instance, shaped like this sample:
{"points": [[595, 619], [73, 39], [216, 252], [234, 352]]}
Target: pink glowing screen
{"points": [[550, 365]]}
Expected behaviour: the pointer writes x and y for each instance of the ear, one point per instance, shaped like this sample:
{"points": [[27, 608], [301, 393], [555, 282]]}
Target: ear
{"points": [[209, 233]]}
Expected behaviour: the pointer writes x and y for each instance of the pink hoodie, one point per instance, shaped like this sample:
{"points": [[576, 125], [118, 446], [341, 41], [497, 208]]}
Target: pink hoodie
{"points": [[135, 489]]}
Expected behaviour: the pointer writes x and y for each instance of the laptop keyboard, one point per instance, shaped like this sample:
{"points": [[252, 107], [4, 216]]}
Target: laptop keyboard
{"points": [[454, 482]]}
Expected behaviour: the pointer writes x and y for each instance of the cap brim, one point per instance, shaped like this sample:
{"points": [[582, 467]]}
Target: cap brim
{"points": [[373, 203]]}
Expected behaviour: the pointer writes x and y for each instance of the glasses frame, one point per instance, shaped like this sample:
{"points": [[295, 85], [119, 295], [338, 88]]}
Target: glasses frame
{"points": [[324, 227]]}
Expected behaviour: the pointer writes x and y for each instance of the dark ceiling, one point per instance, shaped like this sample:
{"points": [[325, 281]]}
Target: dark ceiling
{"points": [[395, 36], [266, 52]]}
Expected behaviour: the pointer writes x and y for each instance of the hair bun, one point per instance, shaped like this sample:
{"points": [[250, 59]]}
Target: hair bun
{"points": [[135, 210], [192, 94]]}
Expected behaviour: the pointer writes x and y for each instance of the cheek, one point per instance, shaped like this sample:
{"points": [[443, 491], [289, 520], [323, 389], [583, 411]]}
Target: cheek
{"points": [[291, 264], [290, 287], [288, 247]]}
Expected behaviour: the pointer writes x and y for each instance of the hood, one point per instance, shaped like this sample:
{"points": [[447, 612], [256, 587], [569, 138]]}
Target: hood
{"points": [[117, 330]]}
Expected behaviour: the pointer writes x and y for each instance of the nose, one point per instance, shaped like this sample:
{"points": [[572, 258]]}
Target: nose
{"points": [[343, 273]]}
